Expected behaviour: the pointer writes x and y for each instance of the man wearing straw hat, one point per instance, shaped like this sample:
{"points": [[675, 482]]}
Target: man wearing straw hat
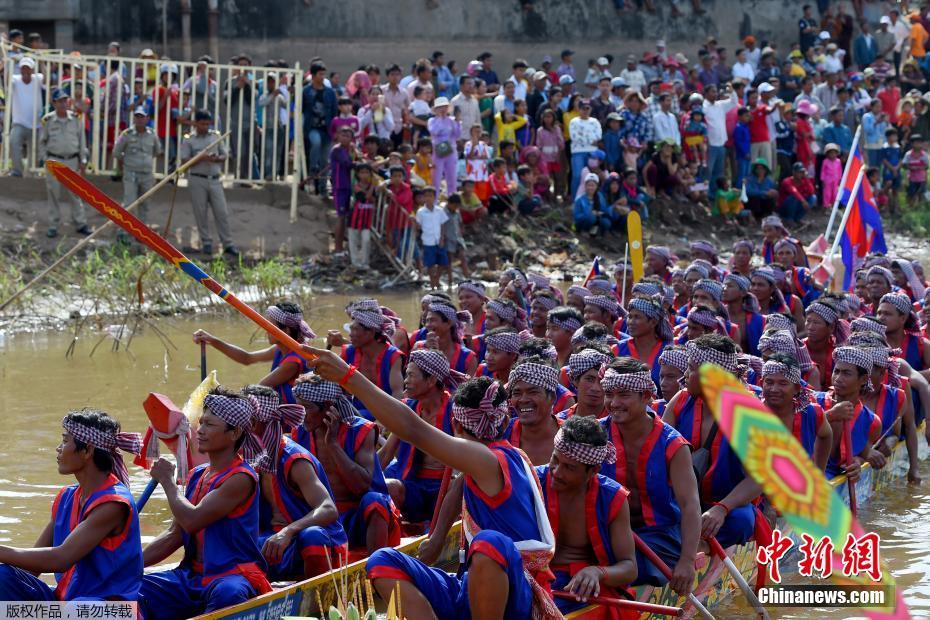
{"points": [[62, 138], [135, 153]]}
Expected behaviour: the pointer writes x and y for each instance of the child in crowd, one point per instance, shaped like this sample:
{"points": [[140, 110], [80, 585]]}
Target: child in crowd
{"points": [[502, 189], [341, 159], [891, 167], [880, 190], [695, 187], [454, 241], [636, 199], [728, 200], [430, 219], [551, 145], [613, 143], [591, 211], [370, 146], [477, 154], [694, 137], [345, 119], [531, 157], [741, 144], [632, 150], [527, 201], [916, 161], [360, 219], [831, 171], [472, 207], [595, 166], [507, 151], [506, 124], [400, 210], [423, 161], [523, 134], [419, 113]]}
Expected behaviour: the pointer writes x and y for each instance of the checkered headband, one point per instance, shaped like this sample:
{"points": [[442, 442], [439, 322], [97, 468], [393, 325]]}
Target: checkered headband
{"points": [[857, 357], [508, 342], [711, 287], [485, 421], [578, 338], [699, 269], [776, 320], [778, 341], [884, 272], [676, 358], [786, 243], [373, 318], [600, 286], [539, 375], [458, 319], [704, 246], [766, 272], [900, 301], [538, 281], [867, 324], [238, 412], [606, 303], [654, 310], [741, 281], [546, 301], [583, 361], [108, 442], [570, 324], [578, 291], [877, 259], [745, 243], [708, 318], [508, 314], [640, 382], [435, 364], [662, 252], [319, 391], [885, 357], [475, 287], [831, 317], [292, 320], [697, 355], [649, 289], [275, 416], [585, 453], [774, 367], [774, 220]]}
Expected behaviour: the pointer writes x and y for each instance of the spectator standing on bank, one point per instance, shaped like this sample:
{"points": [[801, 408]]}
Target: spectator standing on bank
{"points": [[585, 133], [135, 153], [26, 101], [319, 110], [61, 138], [205, 185], [274, 104], [238, 93]]}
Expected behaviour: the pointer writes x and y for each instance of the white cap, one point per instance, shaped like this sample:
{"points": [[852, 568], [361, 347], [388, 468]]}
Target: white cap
{"points": [[824, 35], [885, 20], [602, 61], [272, 75], [660, 43], [592, 177], [765, 87], [26, 61], [539, 75]]}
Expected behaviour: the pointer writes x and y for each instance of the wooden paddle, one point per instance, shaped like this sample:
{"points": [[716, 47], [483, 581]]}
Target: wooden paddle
{"points": [[667, 572], [850, 484], [718, 550], [659, 610]]}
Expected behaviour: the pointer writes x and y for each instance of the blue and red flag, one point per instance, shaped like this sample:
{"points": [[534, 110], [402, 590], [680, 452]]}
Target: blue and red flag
{"points": [[862, 233], [595, 270]]}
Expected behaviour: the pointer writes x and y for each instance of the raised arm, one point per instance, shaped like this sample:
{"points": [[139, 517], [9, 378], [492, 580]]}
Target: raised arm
{"points": [[236, 354]]}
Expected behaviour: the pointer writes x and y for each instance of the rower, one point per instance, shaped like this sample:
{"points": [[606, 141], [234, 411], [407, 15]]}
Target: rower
{"points": [[825, 331], [765, 286], [413, 477], [660, 261], [584, 370], [345, 443], [532, 388], [503, 312], [879, 282], [286, 365], [902, 331], [590, 558], [702, 320], [540, 347], [741, 262], [502, 502], [673, 364], [623, 280], [852, 369], [92, 542], [726, 491], [604, 309], [514, 285], [445, 327], [664, 505], [907, 279], [783, 393], [425, 301], [681, 290], [705, 251], [503, 347], [542, 302], [370, 348], [743, 308], [472, 296], [650, 332], [595, 332], [215, 519], [601, 285], [773, 230], [298, 528], [575, 296], [801, 283], [561, 325], [783, 341]]}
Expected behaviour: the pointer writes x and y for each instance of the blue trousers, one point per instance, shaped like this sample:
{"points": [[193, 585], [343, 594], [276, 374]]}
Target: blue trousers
{"points": [[355, 520], [313, 540], [579, 161], [666, 542], [447, 594], [793, 209], [716, 162], [583, 224], [179, 593], [738, 527], [19, 585], [742, 171]]}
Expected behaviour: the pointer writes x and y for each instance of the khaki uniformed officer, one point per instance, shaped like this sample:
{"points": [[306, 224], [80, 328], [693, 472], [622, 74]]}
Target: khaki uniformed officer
{"points": [[204, 182], [135, 153], [62, 138]]}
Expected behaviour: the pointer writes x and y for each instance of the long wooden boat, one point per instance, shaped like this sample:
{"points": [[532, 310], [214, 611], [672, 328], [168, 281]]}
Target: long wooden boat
{"points": [[714, 583]]}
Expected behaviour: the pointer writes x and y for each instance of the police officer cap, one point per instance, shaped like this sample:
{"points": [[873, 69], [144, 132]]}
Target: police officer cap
{"points": [[203, 115], [59, 94], [140, 111]]}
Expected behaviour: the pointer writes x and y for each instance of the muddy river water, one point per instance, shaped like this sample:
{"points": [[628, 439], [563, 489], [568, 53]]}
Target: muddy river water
{"points": [[38, 385]]}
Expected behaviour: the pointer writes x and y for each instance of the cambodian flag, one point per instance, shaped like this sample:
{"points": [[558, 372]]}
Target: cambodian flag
{"points": [[863, 231], [595, 270]]}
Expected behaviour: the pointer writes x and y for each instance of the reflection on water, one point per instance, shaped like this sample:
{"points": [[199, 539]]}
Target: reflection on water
{"points": [[38, 386]]}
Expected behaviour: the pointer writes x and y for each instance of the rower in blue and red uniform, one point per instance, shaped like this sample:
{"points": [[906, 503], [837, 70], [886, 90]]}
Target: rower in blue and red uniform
{"points": [[604, 309], [650, 332], [92, 542], [472, 296], [800, 280], [826, 330], [532, 388], [299, 529], [538, 319], [902, 331], [584, 368], [562, 323], [215, 519], [664, 505], [784, 394], [590, 517], [446, 326], [540, 347], [345, 445], [843, 406], [726, 491], [743, 309], [774, 230], [286, 365], [503, 348], [413, 477], [370, 349], [660, 261], [673, 364]]}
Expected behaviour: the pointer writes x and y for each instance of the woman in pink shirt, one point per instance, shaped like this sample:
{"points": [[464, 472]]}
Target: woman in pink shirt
{"points": [[831, 171], [551, 144]]}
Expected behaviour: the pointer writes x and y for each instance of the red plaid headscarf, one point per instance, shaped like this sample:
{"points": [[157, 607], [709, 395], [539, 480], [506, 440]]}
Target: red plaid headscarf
{"points": [[831, 317], [108, 442], [583, 361], [857, 357], [238, 412], [613, 381], [485, 421], [436, 365], [275, 416], [292, 320], [585, 452], [508, 342], [319, 391], [509, 314]]}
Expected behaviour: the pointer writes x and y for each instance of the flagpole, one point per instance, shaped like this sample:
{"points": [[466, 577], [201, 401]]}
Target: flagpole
{"points": [[836, 201], [846, 212]]}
